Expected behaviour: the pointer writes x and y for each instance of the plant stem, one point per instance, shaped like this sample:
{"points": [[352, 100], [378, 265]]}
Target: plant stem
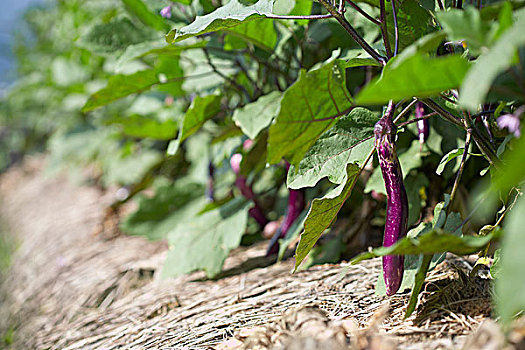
{"points": [[299, 17], [384, 29], [353, 33], [460, 171], [362, 12], [485, 148], [405, 110], [415, 120], [442, 112], [225, 77], [396, 27]]}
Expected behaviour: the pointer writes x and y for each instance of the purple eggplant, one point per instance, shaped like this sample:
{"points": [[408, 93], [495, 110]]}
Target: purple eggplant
{"points": [[423, 126], [397, 202], [256, 212]]}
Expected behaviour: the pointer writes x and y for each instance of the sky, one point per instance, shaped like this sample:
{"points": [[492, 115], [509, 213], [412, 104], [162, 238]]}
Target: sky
{"points": [[10, 11]]}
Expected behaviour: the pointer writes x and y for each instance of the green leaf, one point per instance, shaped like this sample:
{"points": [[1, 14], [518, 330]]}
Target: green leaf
{"points": [[513, 172], [121, 86], [112, 37], [417, 76], [227, 16], [458, 152], [495, 269], [408, 159], [336, 148], [413, 21], [489, 65], [130, 169], [323, 212], [309, 107], [466, 25], [157, 215], [167, 73], [155, 47], [204, 242], [257, 115], [260, 33], [418, 284], [435, 241], [201, 109], [139, 9], [511, 282], [423, 45], [142, 126]]}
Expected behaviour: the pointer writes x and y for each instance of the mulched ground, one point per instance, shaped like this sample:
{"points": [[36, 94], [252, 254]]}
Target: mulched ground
{"points": [[71, 287]]}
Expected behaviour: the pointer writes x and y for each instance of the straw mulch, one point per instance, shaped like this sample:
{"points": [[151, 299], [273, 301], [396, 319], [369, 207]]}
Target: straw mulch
{"points": [[71, 287]]}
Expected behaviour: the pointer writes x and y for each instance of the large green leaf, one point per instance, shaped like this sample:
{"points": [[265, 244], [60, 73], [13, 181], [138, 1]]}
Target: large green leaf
{"points": [[201, 109], [501, 56], [155, 47], [227, 16], [323, 212], [114, 36], [309, 107], [139, 9], [345, 143], [510, 300], [257, 115], [171, 205], [513, 172], [120, 86], [418, 76], [166, 73], [204, 242], [465, 25], [137, 125], [131, 169], [413, 21], [260, 33]]}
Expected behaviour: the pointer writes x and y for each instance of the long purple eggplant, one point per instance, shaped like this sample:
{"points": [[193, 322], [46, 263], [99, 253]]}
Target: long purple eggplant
{"points": [[240, 181], [397, 202], [423, 126]]}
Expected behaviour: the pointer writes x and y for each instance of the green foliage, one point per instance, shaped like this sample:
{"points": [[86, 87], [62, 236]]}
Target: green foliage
{"points": [[139, 9], [103, 88], [323, 213], [308, 108], [435, 241], [339, 146], [418, 76], [228, 16], [158, 215], [265, 108], [502, 55], [203, 242], [510, 275]]}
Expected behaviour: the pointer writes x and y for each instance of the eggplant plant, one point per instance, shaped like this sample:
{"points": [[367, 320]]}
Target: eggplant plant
{"points": [[160, 96]]}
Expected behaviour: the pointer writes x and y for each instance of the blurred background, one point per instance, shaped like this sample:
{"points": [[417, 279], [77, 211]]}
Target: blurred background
{"points": [[11, 12]]}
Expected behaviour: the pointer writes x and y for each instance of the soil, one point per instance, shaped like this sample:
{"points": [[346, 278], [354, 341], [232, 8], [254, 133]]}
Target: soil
{"points": [[75, 284]]}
